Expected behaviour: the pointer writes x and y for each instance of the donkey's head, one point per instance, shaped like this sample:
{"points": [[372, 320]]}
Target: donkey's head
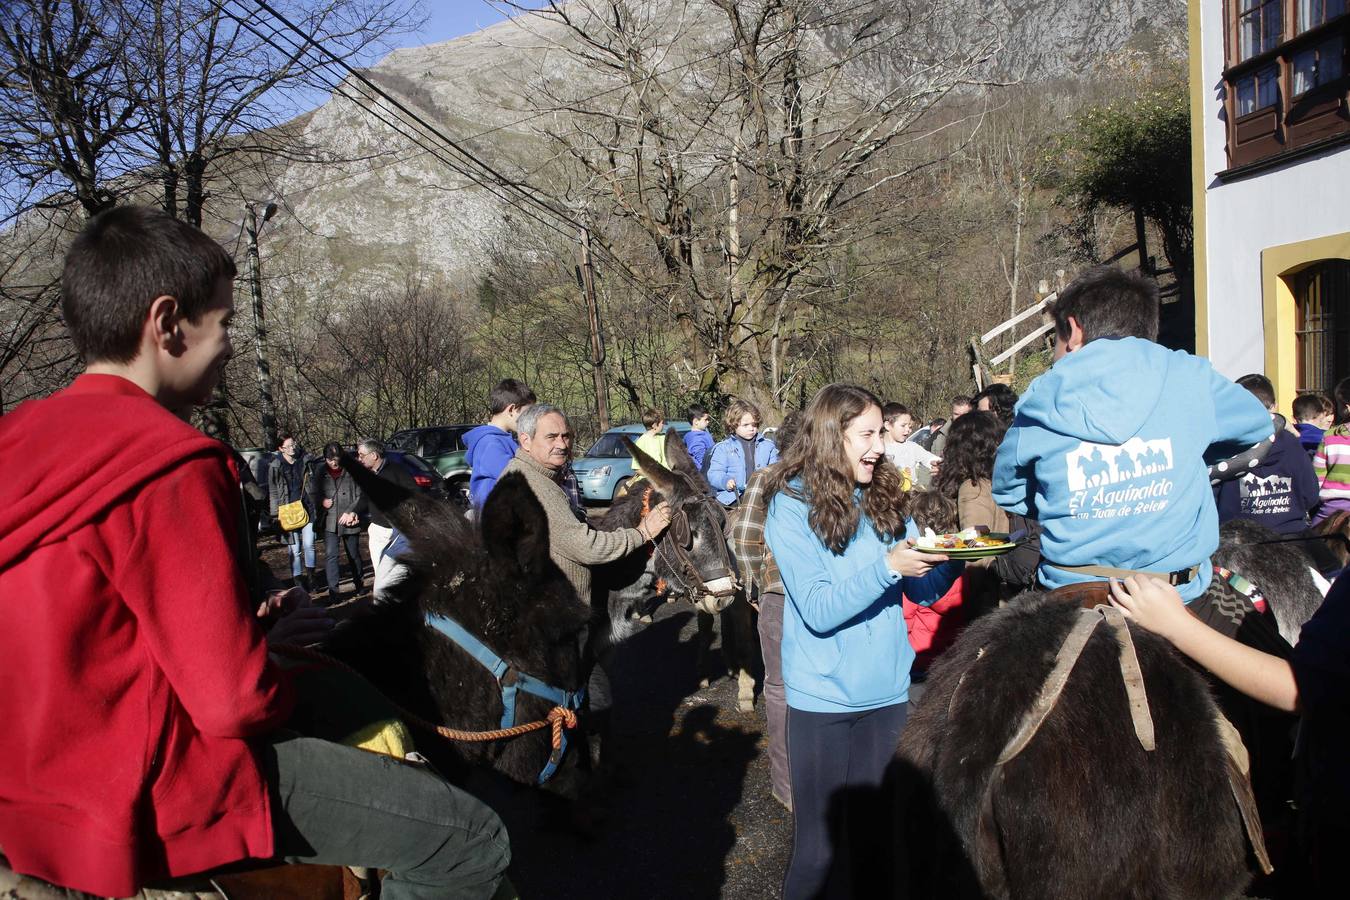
{"points": [[498, 584], [692, 559]]}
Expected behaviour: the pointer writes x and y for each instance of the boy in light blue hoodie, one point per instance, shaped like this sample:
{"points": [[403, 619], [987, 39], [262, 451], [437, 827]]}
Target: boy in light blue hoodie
{"points": [[1108, 449]]}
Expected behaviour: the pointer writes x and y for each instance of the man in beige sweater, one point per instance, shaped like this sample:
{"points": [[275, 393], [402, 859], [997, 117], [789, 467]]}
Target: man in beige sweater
{"points": [[545, 448]]}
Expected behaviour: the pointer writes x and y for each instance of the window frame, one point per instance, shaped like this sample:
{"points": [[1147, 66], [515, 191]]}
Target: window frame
{"points": [[1319, 115], [1321, 343]]}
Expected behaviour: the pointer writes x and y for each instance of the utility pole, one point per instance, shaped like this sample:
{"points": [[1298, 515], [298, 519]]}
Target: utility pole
{"points": [[597, 342], [269, 410]]}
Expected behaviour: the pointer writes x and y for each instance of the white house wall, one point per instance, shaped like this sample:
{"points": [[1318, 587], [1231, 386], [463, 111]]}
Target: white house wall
{"points": [[1305, 199]]}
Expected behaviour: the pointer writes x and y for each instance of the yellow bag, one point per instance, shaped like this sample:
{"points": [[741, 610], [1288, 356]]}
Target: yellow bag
{"points": [[293, 516]]}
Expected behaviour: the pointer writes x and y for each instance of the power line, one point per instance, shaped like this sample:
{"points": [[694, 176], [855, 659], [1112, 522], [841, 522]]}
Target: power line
{"points": [[497, 182], [399, 127], [467, 162]]}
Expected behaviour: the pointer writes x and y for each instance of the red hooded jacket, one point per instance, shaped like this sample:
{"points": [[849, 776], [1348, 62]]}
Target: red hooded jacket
{"points": [[132, 670]]}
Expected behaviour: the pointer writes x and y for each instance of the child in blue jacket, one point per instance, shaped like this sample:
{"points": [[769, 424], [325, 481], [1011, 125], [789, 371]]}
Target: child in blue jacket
{"points": [[697, 440], [836, 526], [737, 456], [1108, 449], [491, 446]]}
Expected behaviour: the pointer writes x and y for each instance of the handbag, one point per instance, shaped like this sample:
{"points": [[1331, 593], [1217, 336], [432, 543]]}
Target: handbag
{"points": [[293, 516]]}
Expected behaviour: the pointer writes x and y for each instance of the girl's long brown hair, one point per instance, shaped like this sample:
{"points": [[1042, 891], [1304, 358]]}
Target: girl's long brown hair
{"points": [[817, 456]]}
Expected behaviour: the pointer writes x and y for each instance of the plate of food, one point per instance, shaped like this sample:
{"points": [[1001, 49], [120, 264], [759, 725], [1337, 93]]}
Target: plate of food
{"points": [[972, 543]]}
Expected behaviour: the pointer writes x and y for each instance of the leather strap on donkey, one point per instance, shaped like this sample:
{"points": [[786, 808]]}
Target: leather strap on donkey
{"points": [[511, 683], [1237, 766], [673, 547], [1068, 654]]}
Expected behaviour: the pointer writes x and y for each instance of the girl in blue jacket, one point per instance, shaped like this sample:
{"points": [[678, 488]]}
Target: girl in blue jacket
{"points": [[836, 525]]}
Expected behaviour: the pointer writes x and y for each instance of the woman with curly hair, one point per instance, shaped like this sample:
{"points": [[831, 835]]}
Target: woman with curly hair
{"points": [[967, 471], [966, 476], [837, 526]]}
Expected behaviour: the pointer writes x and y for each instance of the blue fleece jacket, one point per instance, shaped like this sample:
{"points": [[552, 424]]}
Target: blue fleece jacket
{"points": [[845, 648], [1309, 437], [699, 443], [489, 450], [1108, 452], [728, 462]]}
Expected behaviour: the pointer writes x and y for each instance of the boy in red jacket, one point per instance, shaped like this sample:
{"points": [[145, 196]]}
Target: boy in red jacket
{"points": [[141, 705]]}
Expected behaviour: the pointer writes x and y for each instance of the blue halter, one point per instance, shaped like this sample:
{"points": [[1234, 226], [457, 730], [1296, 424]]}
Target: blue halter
{"points": [[521, 682]]}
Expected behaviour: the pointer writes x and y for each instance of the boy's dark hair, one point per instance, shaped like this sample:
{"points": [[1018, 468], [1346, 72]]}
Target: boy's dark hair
{"points": [[937, 423], [332, 450], [1002, 399], [892, 411], [509, 392], [696, 411], [931, 509], [116, 267], [651, 416], [1310, 406], [962, 400], [1260, 388], [1108, 302]]}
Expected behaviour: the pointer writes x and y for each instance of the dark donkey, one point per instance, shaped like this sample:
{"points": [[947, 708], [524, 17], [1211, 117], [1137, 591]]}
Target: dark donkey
{"points": [[690, 561], [498, 584], [1092, 804]]}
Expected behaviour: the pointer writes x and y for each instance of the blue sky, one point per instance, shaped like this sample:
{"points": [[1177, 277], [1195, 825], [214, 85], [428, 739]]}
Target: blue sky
{"points": [[448, 19]]}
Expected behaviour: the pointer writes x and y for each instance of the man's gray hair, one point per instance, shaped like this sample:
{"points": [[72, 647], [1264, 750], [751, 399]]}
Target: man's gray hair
{"points": [[530, 416], [371, 445]]}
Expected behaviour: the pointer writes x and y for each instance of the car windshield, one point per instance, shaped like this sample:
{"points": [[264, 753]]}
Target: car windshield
{"points": [[403, 442], [434, 441], [610, 446], [440, 441]]}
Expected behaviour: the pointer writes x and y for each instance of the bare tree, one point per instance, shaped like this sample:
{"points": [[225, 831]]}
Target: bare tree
{"points": [[736, 147], [172, 101]]}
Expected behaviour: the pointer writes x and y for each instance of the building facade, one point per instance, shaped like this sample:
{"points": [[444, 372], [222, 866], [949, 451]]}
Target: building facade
{"points": [[1270, 114]]}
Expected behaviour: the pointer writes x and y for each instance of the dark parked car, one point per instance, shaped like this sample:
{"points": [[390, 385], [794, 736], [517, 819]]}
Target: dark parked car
{"points": [[423, 472], [443, 447]]}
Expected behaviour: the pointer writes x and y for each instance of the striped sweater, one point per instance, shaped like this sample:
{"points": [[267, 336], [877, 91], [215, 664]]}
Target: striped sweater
{"points": [[1331, 463]]}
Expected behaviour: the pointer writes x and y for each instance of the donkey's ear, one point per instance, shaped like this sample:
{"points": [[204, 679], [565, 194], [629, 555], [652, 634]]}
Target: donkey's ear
{"points": [[515, 527], [677, 454], [656, 473], [408, 511]]}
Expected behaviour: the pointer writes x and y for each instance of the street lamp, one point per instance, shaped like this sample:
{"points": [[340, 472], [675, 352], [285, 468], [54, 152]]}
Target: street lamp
{"points": [[269, 410]]}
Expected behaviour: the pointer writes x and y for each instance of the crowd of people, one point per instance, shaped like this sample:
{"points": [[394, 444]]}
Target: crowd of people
{"points": [[148, 641]]}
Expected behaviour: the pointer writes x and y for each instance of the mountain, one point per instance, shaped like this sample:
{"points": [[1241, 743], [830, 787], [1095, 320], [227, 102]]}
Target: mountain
{"points": [[393, 204]]}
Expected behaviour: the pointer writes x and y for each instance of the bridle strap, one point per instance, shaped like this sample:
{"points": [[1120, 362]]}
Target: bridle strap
{"points": [[684, 572]]}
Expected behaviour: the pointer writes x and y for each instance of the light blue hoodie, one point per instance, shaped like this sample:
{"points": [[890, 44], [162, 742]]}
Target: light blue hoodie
{"points": [[1108, 452], [845, 648]]}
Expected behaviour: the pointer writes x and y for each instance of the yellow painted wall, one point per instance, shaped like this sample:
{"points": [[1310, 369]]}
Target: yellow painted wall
{"points": [[1278, 266], [1198, 178]]}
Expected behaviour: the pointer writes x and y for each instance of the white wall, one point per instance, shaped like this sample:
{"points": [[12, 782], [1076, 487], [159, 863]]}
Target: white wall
{"points": [[1308, 198]]}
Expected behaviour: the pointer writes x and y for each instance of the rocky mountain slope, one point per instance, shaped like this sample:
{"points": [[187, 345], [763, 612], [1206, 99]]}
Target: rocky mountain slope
{"points": [[387, 205]]}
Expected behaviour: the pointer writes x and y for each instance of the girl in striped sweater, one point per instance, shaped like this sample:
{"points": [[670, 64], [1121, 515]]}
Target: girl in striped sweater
{"points": [[1331, 463]]}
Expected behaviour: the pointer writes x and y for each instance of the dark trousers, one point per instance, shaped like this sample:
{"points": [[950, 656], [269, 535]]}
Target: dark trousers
{"points": [[337, 805], [837, 763], [352, 544]]}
